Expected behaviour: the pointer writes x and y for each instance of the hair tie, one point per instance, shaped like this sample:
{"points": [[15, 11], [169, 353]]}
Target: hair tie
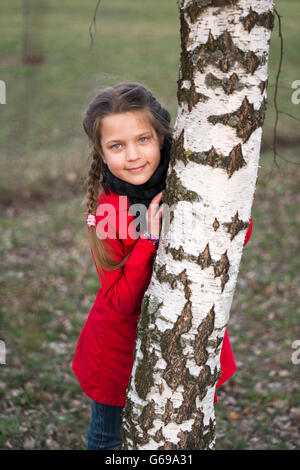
{"points": [[91, 220]]}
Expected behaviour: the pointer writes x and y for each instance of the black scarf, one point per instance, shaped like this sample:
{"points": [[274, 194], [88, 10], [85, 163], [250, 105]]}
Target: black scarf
{"points": [[141, 193]]}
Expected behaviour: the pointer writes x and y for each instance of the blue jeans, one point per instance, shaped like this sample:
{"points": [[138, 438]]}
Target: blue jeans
{"points": [[105, 427]]}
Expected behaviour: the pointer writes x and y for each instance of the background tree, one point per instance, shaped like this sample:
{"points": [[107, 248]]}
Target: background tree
{"points": [[33, 23], [210, 188]]}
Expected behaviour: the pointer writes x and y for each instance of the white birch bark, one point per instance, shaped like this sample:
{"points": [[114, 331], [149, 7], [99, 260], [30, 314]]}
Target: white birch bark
{"points": [[210, 188]]}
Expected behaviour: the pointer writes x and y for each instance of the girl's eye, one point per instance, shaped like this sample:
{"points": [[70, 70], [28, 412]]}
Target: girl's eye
{"points": [[114, 146]]}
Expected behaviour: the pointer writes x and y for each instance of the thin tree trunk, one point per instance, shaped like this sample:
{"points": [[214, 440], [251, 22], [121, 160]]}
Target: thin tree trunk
{"points": [[33, 24], [210, 188]]}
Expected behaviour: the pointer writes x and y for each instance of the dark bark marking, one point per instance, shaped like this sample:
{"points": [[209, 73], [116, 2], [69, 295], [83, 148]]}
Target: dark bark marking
{"points": [[263, 85], [174, 374], [204, 258], [235, 226], [186, 71], [229, 85], [180, 192], [168, 446], [170, 342], [190, 96], [216, 224], [221, 268], [168, 411], [196, 8], [218, 342], [158, 435], [200, 436], [205, 329], [132, 432], [204, 380], [235, 160], [171, 346], [146, 420], [144, 373], [245, 119], [265, 19], [185, 281], [231, 163], [223, 54], [186, 409], [177, 151]]}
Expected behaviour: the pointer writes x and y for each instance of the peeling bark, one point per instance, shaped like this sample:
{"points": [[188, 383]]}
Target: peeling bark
{"points": [[210, 187]]}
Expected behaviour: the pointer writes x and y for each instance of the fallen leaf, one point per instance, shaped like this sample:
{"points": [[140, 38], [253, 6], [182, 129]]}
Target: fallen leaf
{"points": [[283, 373], [51, 444], [29, 443]]}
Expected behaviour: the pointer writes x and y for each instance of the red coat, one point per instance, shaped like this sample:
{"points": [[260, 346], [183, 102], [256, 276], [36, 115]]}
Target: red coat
{"points": [[103, 357]]}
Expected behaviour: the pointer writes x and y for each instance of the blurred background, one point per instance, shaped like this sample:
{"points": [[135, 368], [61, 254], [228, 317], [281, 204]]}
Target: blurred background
{"points": [[48, 280]]}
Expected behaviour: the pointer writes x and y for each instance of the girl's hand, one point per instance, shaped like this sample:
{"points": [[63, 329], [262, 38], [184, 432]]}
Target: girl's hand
{"points": [[154, 218]]}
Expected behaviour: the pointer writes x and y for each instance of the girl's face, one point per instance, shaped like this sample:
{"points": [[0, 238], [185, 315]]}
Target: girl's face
{"points": [[130, 142]]}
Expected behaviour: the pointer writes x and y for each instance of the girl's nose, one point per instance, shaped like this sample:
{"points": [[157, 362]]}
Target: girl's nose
{"points": [[132, 153]]}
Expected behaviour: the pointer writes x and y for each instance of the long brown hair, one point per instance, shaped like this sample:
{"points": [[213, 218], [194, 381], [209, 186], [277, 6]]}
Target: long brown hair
{"points": [[119, 98]]}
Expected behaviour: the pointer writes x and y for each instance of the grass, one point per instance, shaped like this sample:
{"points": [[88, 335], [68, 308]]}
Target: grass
{"points": [[133, 42], [50, 282]]}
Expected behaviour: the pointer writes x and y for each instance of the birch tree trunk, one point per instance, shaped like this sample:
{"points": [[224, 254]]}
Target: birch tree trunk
{"points": [[210, 187]]}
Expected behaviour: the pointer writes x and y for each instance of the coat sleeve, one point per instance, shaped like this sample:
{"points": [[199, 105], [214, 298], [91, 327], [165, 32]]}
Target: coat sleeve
{"points": [[125, 287]]}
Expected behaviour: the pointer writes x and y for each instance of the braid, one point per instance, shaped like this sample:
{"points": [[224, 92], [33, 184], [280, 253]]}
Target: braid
{"points": [[93, 182]]}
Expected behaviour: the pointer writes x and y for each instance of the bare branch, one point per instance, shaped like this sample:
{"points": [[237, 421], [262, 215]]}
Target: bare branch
{"points": [[278, 155], [93, 22], [290, 115], [275, 94]]}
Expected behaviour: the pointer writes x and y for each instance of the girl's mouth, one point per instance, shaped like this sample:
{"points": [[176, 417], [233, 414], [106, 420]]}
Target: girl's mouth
{"points": [[138, 168]]}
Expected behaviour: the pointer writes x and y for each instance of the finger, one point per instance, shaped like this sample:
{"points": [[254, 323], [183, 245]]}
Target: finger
{"points": [[153, 207], [159, 212], [157, 205], [158, 196]]}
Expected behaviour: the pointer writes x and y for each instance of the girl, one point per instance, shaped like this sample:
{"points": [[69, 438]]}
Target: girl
{"points": [[131, 137]]}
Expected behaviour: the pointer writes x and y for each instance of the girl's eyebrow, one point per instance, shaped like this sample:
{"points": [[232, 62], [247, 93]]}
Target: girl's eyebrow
{"points": [[119, 140]]}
